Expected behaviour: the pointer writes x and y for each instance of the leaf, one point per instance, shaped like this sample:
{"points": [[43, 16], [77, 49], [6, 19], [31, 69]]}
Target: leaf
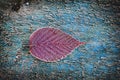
{"points": [[51, 45]]}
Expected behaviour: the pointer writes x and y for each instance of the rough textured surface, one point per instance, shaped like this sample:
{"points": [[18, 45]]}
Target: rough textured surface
{"points": [[96, 23]]}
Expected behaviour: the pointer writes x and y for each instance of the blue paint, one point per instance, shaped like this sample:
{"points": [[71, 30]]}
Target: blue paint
{"points": [[77, 55], [114, 48], [53, 8], [102, 54], [89, 68], [97, 45], [86, 5], [98, 48], [104, 69], [95, 39], [26, 30], [85, 29], [72, 68], [68, 18], [29, 17], [35, 23], [29, 64], [63, 67], [99, 20]]}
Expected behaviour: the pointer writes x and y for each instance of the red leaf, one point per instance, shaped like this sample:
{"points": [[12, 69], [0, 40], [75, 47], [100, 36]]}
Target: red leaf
{"points": [[51, 45]]}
